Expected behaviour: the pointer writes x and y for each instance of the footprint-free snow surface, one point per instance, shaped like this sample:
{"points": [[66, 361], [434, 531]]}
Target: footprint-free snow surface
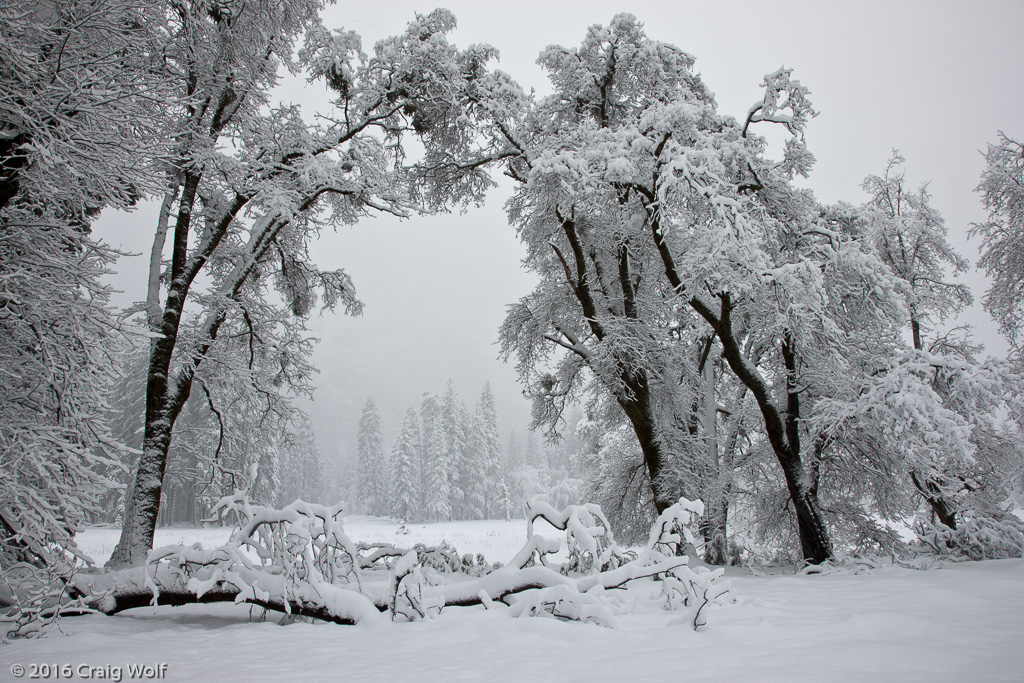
{"points": [[959, 622]]}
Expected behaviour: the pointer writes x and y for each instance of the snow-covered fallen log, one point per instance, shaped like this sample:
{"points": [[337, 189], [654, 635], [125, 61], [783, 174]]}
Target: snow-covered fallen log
{"points": [[299, 560], [509, 580], [116, 591]]}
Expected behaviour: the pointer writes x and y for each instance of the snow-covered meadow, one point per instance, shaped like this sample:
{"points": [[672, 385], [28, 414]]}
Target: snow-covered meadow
{"points": [[958, 622]]}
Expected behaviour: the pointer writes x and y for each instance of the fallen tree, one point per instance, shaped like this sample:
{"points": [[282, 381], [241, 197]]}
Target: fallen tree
{"points": [[298, 560]]}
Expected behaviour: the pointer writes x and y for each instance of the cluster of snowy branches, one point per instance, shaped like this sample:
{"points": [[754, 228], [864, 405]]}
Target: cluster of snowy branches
{"points": [[299, 560]]}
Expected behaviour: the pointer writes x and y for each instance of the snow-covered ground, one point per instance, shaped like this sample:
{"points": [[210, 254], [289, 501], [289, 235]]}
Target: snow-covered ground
{"points": [[961, 622]]}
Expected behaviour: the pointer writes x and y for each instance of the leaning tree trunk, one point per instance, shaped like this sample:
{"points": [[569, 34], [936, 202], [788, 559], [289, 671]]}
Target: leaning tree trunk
{"points": [[142, 504], [783, 430], [815, 542], [942, 508]]}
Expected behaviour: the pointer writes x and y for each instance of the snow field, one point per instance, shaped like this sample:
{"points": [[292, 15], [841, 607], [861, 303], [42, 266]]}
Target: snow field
{"points": [[961, 622]]}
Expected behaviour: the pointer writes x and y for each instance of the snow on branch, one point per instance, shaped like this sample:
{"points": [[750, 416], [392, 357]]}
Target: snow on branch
{"points": [[587, 533], [985, 535], [306, 540], [785, 101], [299, 560], [296, 560], [411, 595], [576, 589]]}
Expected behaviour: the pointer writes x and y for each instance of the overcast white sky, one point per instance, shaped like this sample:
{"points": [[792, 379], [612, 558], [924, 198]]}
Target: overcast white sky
{"points": [[934, 79]]}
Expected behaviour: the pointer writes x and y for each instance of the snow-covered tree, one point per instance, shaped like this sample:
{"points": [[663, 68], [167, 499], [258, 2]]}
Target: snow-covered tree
{"points": [[513, 453], [249, 186], [435, 466], [372, 464], [533, 455], [910, 237], [1002, 245], [533, 473], [930, 411], [406, 492], [509, 489], [465, 493], [56, 350], [303, 470], [488, 448], [78, 104], [657, 225]]}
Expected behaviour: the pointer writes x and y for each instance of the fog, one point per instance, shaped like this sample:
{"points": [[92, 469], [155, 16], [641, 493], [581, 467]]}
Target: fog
{"points": [[934, 80]]}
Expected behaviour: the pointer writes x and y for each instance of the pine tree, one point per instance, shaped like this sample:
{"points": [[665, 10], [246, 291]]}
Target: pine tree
{"points": [[406, 483], [532, 457], [513, 454], [370, 455], [454, 424], [472, 480], [436, 465], [489, 449]]}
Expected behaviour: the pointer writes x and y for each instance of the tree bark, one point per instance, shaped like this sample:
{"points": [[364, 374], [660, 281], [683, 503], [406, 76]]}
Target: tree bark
{"points": [[636, 404]]}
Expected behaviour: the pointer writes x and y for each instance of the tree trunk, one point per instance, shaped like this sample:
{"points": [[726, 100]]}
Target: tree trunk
{"points": [[634, 396], [931, 492], [815, 542], [716, 511], [142, 504], [783, 432], [943, 509], [783, 429], [716, 533], [636, 404]]}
